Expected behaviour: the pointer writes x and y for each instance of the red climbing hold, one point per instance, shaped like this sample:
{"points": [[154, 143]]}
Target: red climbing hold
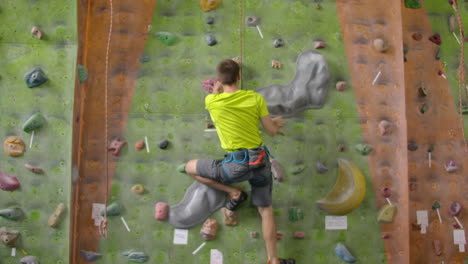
{"points": [[8, 182], [436, 39]]}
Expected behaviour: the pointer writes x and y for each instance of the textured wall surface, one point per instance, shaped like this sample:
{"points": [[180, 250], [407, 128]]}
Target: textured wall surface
{"points": [[169, 104], [55, 54]]}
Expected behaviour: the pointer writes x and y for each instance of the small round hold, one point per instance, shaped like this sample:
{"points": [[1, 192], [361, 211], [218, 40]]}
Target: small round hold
{"points": [[385, 235], [412, 146], [138, 189], [211, 40], [417, 36], [455, 208], [386, 192], [253, 234], [341, 86], [277, 43], [163, 144], [14, 146], [252, 21], [319, 44], [341, 148], [210, 20], [380, 45], [140, 145]]}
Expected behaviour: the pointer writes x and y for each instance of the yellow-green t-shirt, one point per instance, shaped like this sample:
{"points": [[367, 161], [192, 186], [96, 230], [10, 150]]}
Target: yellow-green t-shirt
{"points": [[236, 116]]}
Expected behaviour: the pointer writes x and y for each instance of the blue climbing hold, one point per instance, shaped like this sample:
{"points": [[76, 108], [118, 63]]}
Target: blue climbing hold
{"points": [[343, 253]]}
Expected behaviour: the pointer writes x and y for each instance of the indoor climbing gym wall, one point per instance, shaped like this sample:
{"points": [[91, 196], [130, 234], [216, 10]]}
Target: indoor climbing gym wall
{"points": [[37, 73], [292, 52]]}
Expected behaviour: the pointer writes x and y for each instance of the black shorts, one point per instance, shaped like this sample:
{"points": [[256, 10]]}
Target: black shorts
{"points": [[245, 165]]}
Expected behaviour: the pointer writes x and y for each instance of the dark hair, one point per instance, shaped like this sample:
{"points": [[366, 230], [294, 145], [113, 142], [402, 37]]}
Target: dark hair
{"points": [[228, 72]]}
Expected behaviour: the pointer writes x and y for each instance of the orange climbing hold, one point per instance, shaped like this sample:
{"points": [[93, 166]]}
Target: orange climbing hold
{"points": [[208, 5]]}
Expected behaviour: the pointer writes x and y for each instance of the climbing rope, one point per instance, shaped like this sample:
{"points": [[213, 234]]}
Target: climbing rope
{"points": [[461, 72], [103, 225], [241, 23]]}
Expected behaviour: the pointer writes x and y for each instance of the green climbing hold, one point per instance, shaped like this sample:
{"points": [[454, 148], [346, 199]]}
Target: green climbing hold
{"points": [[36, 121], [82, 73], [35, 78], [364, 149], [435, 206], [13, 214], [136, 256], [295, 214], [166, 37], [297, 169], [113, 209], [181, 168], [438, 54], [413, 3], [144, 59]]}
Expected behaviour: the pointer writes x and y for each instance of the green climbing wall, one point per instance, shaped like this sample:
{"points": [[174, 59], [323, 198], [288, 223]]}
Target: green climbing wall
{"points": [[169, 104], [20, 52], [450, 49]]}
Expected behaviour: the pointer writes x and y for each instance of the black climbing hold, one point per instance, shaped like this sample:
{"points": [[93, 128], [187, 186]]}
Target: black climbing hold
{"points": [[412, 146], [252, 21], [163, 144], [277, 43], [144, 59], [90, 256], [211, 40], [35, 78], [210, 20]]}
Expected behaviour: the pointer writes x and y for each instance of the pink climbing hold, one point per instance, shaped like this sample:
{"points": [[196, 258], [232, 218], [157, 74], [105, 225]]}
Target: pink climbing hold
{"points": [[116, 146], [319, 44], [299, 235], [385, 235], [36, 32], [386, 192], [8, 182], [436, 39], [341, 86], [208, 84], [276, 170], [384, 127], [162, 211]]}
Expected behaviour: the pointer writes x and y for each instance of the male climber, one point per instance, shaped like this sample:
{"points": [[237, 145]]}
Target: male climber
{"points": [[236, 114]]}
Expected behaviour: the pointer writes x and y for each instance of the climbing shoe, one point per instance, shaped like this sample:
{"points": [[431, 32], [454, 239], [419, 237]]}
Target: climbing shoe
{"points": [[285, 261], [235, 202]]}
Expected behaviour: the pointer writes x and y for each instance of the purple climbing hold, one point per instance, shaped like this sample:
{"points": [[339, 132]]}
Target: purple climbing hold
{"points": [[35, 170], [386, 192], [211, 40], [320, 166], [450, 166], [210, 20], [90, 256], [436, 39], [455, 208], [208, 84], [8, 182]]}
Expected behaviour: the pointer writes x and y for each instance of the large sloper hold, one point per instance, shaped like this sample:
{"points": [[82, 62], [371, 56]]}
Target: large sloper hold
{"points": [[8, 182], [348, 191], [343, 253], [308, 89], [199, 202], [386, 213]]}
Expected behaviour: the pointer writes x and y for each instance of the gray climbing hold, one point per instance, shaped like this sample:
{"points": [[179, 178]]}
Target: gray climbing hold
{"points": [[308, 89], [82, 73], [199, 202], [211, 40], [364, 149], [13, 214], [29, 260], [163, 144], [136, 256], [320, 166], [343, 253], [35, 78], [35, 122], [144, 59], [90, 256], [252, 21], [210, 20], [298, 168], [277, 43]]}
